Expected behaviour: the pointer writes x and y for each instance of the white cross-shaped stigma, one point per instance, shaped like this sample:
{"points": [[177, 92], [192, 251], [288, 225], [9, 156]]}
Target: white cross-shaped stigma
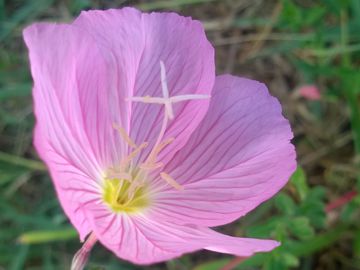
{"points": [[166, 99]]}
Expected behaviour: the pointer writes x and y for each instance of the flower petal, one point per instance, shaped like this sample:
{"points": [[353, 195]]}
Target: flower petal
{"points": [[239, 156], [74, 188], [139, 41], [145, 241], [70, 130], [75, 87]]}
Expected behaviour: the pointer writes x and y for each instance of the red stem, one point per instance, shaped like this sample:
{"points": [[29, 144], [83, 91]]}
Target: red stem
{"points": [[347, 197]]}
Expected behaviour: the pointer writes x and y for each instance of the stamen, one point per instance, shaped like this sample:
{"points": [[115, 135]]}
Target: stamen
{"points": [[118, 192], [134, 200], [171, 181], [154, 151], [132, 190], [125, 162], [124, 135], [157, 149], [151, 166], [164, 144], [118, 175], [133, 186]]}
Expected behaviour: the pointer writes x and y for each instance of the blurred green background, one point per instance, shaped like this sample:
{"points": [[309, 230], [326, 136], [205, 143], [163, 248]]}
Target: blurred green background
{"points": [[286, 44]]}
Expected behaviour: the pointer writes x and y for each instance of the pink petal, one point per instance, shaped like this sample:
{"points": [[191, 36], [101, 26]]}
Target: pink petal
{"points": [[74, 188], [239, 156], [138, 42], [145, 241], [69, 78], [74, 88]]}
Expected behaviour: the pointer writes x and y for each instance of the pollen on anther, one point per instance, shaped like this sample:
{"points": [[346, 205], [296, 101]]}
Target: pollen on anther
{"points": [[171, 181], [151, 166], [157, 149], [124, 135], [113, 174], [124, 163]]}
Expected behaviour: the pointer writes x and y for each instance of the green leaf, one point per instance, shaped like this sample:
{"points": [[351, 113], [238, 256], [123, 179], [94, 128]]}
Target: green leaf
{"points": [[313, 207], [313, 16], [266, 229], [22, 162], [291, 15], [290, 259], [150, 5], [298, 249], [274, 263], [36, 237], [357, 245], [301, 228], [18, 260], [25, 12], [212, 265], [316, 243], [285, 204], [350, 210], [298, 179], [15, 90]]}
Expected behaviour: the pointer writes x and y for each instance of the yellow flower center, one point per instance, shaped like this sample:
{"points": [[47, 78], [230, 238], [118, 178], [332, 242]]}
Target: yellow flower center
{"points": [[121, 196]]}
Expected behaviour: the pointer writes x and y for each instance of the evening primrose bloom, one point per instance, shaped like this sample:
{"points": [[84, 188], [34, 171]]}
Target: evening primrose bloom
{"points": [[147, 149]]}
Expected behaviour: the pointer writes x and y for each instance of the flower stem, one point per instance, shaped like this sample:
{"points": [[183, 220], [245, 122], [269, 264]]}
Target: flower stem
{"points": [[82, 255]]}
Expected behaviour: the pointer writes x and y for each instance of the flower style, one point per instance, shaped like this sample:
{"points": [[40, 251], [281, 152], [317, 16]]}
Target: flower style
{"points": [[147, 149]]}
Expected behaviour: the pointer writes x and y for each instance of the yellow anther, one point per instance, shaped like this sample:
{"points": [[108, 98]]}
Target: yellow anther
{"points": [[171, 181], [124, 135], [125, 162]]}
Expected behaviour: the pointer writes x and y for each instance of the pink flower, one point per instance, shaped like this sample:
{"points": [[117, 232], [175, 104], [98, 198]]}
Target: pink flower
{"points": [[140, 155], [310, 92]]}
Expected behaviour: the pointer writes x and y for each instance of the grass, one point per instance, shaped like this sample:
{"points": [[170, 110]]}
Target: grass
{"points": [[285, 44]]}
